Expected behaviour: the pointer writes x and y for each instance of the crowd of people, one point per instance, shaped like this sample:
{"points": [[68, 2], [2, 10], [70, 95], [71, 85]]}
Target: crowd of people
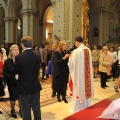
{"points": [[77, 66]]}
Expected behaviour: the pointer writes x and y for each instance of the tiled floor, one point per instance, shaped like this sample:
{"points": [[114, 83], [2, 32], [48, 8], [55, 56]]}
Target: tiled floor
{"points": [[58, 111]]}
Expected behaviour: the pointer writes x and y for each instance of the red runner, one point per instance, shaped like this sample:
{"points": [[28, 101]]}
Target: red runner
{"points": [[92, 112]]}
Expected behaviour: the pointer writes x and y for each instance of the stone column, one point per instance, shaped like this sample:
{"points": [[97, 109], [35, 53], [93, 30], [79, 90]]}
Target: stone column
{"points": [[67, 19], [61, 19], [29, 24], [75, 26], [99, 18], [2, 33], [11, 29]]}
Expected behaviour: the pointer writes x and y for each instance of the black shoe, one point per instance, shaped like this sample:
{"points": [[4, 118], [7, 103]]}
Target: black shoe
{"points": [[113, 79], [53, 95], [106, 86], [0, 112], [116, 88], [58, 98], [13, 114], [64, 99], [103, 87], [20, 113]]}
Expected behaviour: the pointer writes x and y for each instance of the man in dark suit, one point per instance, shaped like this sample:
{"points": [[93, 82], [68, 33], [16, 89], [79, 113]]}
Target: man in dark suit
{"points": [[44, 54], [27, 66]]}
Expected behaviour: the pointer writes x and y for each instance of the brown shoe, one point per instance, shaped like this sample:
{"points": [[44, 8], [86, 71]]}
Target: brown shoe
{"points": [[116, 89]]}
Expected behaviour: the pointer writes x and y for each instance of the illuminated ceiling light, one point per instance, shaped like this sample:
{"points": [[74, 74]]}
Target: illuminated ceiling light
{"points": [[50, 21]]}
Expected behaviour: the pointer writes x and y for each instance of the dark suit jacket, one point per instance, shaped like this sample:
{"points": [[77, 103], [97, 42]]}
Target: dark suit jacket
{"points": [[59, 66], [27, 66]]}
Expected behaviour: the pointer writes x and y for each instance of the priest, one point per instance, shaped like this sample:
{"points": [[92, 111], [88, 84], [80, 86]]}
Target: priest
{"points": [[81, 74]]}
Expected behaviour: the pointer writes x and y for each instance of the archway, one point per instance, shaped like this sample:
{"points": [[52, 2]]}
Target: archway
{"points": [[14, 8], [43, 6], [48, 25], [85, 20]]}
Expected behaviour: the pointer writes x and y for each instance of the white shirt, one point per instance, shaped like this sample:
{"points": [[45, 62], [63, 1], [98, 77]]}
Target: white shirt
{"points": [[113, 56]]}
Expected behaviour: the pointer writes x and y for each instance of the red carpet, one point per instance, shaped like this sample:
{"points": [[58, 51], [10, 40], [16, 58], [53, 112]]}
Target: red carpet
{"points": [[92, 112]]}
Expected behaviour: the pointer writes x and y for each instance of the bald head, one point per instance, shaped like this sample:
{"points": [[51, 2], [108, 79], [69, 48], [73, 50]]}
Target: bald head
{"points": [[27, 41]]}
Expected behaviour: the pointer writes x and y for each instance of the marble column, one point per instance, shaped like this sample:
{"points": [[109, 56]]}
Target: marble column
{"points": [[67, 19], [61, 20], [75, 26], [11, 29], [99, 18], [29, 24]]}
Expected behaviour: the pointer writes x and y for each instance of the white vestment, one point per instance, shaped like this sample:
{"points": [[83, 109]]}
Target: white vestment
{"points": [[77, 71]]}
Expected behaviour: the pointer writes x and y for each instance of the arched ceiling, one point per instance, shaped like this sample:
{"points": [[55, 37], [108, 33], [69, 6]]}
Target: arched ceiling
{"points": [[115, 4], [50, 15]]}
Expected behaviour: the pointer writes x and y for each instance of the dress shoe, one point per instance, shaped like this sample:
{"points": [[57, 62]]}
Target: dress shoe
{"points": [[58, 98], [13, 114], [103, 87], [0, 112], [106, 86], [113, 79], [116, 88], [20, 113], [53, 95], [64, 99], [108, 80]]}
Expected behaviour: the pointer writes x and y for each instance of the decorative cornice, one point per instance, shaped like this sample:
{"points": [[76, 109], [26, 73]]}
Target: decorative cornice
{"points": [[101, 10], [15, 19], [29, 12]]}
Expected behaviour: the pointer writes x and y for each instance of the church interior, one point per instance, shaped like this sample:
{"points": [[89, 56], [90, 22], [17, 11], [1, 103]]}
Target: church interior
{"points": [[97, 21]]}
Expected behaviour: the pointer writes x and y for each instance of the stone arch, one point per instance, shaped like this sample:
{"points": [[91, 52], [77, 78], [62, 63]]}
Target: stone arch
{"points": [[42, 5], [48, 25], [2, 4], [12, 7], [43, 18]]}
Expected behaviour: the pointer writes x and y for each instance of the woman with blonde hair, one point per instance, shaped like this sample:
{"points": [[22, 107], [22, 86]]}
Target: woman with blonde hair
{"points": [[60, 70], [104, 66], [9, 76]]}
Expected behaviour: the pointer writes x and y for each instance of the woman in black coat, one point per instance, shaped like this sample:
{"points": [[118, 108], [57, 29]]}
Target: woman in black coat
{"points": [[9, 76], [60, 70]]}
